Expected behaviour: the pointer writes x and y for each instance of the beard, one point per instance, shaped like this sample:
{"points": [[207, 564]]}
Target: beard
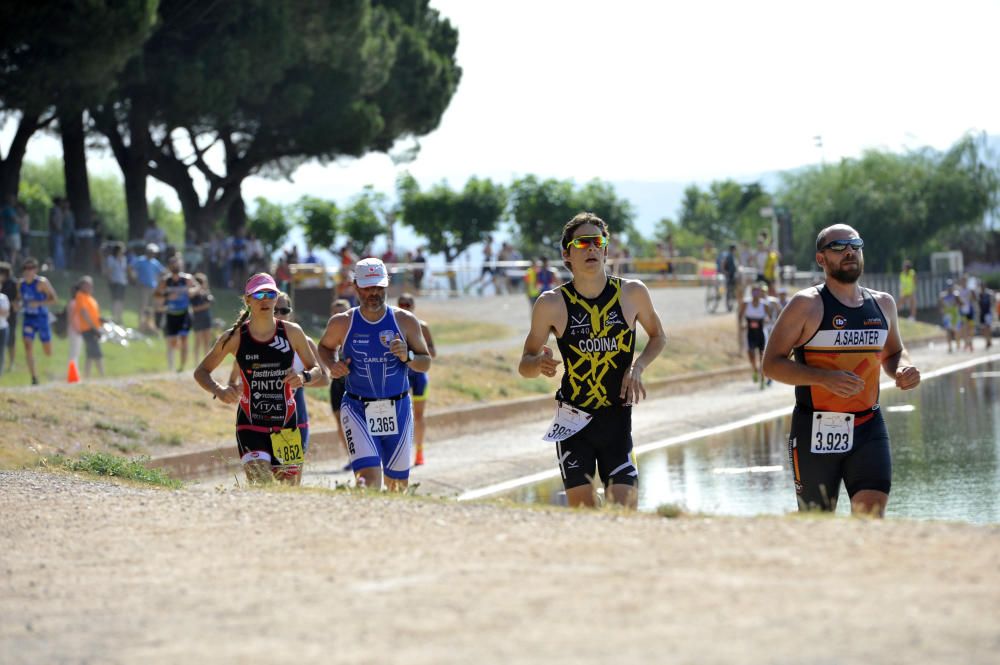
{"points": [[849, 274]]}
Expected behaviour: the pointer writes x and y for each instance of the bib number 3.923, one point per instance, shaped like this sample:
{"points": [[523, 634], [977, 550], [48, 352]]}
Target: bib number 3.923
{"points": [[832, 432]]}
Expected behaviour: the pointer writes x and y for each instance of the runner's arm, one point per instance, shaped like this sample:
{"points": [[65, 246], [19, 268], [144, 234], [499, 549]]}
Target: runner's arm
{"points": [[895, 358], [330, 342], [426, 331], [300, 344], [795, 323], [413, 339], [226, 344], [632, 388], [537, 357]]}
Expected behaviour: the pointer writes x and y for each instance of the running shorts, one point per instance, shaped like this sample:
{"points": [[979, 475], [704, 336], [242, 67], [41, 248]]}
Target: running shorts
{"points": [[254, 443], [391, 451], [755, 335], [418, 385], [867, 466], [37, 324], [177, 324], [603, 446], [337, 393]]}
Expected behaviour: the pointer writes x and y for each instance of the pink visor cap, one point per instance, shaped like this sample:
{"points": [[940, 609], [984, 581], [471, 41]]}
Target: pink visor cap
{"points": [[260, 282], [371, 272]]}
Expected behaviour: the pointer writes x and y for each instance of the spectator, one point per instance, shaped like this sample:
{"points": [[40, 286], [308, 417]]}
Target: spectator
{"points": [[418, 273], [8, 286], [146, 271], [908, 289], [546, 277], [88, 322], [74, 335], [57, 250], [116, 270], [68, 232], [201, 315], [11, 230], [154, 234], [4, 327], [238, 257]]}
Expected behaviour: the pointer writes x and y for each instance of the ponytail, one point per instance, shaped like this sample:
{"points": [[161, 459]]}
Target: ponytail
{"points": [[244, 315]]}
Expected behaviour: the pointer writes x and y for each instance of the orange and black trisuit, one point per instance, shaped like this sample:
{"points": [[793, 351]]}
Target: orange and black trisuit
{"points": [[841, 438], [597, 348]]}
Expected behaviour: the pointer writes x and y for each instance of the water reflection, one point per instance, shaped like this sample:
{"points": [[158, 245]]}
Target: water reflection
{"points": [[945, 446]]}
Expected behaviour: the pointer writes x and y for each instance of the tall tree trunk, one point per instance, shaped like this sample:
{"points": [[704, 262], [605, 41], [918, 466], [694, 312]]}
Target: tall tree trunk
{"points": [[136, 168], [236, 217], [10, 167], [77, 189]]}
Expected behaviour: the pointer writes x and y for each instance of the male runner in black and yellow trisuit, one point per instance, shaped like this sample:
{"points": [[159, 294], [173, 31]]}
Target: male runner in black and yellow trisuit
{"points": [[593, 317], [841, 334]]}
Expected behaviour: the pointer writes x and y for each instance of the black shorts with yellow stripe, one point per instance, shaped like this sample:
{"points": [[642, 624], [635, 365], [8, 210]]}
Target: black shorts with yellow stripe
{"points": [[867, 466]]}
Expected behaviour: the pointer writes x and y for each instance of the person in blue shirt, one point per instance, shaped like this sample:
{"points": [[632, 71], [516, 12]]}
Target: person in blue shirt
{"points": [[36, 295], [176, 288], [145, 271], [380, 344]]}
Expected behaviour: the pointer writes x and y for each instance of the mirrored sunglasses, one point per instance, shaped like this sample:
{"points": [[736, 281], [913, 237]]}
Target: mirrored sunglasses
{"points": [[841, 245], [583, 242], [264, 295]]}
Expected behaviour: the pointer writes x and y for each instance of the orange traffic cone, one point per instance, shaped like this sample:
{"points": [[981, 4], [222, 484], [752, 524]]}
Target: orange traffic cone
{"points": [[74, 375]]}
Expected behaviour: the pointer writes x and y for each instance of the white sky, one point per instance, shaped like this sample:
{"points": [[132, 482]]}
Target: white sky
{"points": [[684, 91]]}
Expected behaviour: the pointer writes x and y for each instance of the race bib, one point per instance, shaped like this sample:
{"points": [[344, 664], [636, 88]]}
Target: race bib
{"points": [[832, 432], [568, 421], [286, 445], [380, 417]]}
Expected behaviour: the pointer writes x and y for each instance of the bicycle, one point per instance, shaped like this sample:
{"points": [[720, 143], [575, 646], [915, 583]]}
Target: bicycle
{"points": [[720, 290], [714, 293]]}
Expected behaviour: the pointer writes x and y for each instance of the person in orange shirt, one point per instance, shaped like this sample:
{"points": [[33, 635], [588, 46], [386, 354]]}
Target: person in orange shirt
{"points": [[88, 322]]}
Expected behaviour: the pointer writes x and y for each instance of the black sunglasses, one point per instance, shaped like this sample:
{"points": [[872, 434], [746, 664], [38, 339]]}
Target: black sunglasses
{"points": [[282, 310], [841, 245]]}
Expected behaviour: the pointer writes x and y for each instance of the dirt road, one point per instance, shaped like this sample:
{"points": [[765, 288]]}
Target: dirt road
{"points": [[97, 573]]}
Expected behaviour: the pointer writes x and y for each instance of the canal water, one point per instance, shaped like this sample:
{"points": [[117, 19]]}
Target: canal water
{"points": [[945, 453]]}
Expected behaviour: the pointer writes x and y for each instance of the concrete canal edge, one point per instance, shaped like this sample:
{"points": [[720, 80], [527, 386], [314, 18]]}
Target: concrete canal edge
{"points": [[324, 446]]}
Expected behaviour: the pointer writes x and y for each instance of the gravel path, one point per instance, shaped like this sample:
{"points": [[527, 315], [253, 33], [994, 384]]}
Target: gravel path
{"points": [[92, 572]]}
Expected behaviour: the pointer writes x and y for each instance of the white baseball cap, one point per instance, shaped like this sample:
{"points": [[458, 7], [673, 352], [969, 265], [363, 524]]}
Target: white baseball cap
{"points": [[371, 272]]}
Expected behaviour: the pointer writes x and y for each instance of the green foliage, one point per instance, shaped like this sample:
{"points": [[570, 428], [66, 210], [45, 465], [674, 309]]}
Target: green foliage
{"points": [[686, 242], [541, 208], [42, 182], [51, 54], [727, 212], [114, 466], [452, 221], [269, 222], [905, 206], [359, 220], [319, 221], [168, 219]]}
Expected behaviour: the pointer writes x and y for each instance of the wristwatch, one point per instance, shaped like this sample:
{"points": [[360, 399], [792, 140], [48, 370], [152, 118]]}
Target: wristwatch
{"points": [[306, 376], [409, 356]]}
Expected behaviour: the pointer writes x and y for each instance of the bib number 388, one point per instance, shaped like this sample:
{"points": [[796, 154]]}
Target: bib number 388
{"points": [[380, 417], [832, 432]]}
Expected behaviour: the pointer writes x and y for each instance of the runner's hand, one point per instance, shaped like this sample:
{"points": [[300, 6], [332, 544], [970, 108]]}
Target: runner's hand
{"points": [[843, 383], [907, 377], [293, 379], [546, 363], [340, 368], [229, 395], [632, 389], [398, 348]]}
